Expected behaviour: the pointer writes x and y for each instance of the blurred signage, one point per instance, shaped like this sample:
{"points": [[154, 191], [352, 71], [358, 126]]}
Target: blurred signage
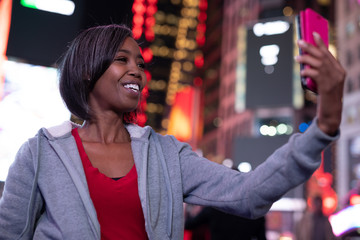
{"points": [[64, 7], [40, 37], [269, 64], [31, 100], [185, 117], [256, 150]]}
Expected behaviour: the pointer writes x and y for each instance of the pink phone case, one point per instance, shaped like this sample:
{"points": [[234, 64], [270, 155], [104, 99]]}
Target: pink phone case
{"points": [[311, 21]]}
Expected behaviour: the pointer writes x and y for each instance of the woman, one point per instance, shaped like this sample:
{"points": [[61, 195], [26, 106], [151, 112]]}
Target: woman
{"points": [[64, 182]]}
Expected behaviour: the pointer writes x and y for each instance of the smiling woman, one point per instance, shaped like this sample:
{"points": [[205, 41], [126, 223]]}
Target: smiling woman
{"points": [[118, 90], [112, 179]]}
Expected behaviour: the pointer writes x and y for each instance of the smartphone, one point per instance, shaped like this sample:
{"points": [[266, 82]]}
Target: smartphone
{"points": [[307, 22]]}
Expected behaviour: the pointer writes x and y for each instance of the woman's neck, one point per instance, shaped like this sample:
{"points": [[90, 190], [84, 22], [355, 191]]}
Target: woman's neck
{"points": [[104, 131]]}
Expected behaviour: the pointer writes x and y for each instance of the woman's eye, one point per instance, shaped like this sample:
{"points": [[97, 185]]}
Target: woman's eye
{"points": [[141, 65], [121, 59]]}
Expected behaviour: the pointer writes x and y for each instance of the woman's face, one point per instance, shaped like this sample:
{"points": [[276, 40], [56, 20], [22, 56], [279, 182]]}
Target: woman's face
{"points": [[119, 88]]}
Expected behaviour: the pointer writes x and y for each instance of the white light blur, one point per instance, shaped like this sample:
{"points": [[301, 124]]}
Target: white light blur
{"points": [[31, 101], [289, 204], [285, 238], [269, 69], [272, 131], [228, 163], [267, 130], [289, 129], [244, 167], [345, 220], [64, 7], [269, 54], [281, 128], [264, 130], [270, 28], [355, 147]]}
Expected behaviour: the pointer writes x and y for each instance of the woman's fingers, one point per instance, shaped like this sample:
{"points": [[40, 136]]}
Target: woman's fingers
{"points": [[324, 69], [309, 60], [319, 42], [329, 76], [310, 49]]}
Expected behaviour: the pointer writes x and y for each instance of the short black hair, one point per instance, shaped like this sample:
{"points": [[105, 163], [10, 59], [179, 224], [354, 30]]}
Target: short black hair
{"points": [[87, 58]]}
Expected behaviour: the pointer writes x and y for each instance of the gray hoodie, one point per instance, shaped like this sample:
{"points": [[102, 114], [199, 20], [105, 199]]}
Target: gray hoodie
{"points": [[46, 194]]}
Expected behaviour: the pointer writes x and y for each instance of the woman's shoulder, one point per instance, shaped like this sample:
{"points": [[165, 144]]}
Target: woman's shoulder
{"points": [[61, 130]]}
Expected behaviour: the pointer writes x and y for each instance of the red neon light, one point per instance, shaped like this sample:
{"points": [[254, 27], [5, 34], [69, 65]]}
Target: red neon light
{"points": [[152, 2], [200, 39], [148, 75], [201, 28], [150, 21], [145, 93], [147, 55], [138, 8], [198, 81], [151, 10], [149, 35], [199, 61], [203, 5], [202, 16], [141, 119], [138, 20], [137, 31]]}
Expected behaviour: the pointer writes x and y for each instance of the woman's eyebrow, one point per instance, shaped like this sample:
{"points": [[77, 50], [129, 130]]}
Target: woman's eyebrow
{"points": [[128, 52]]}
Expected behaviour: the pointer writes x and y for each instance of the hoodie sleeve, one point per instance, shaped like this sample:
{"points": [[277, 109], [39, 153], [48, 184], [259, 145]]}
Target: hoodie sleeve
{"points": [[252, 194], [16, 216]]}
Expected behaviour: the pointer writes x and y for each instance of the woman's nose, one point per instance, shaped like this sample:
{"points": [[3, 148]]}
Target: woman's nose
{"points": [[134, 70]]}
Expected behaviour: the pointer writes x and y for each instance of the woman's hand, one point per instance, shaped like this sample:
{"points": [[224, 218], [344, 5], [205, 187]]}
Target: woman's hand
{"points": [[329, 76]]}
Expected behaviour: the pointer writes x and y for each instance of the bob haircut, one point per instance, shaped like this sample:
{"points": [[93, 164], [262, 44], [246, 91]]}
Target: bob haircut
{"points": [[85, 61]]}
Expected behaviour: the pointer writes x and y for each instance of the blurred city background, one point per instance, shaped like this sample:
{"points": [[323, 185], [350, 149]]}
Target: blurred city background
{"points": [[221, 77]]}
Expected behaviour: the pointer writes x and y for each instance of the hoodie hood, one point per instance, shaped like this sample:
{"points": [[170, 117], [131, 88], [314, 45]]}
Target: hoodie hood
{"points": [[64, 129]]}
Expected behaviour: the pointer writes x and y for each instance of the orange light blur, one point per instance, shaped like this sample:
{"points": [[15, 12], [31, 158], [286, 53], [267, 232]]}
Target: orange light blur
{"points": [[5, 19], [185, 121], [321, 184], [181, 115], [355, 199]]}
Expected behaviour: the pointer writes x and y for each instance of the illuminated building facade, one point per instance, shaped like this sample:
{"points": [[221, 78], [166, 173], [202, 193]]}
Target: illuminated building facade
{"points": [[210, 75], [179, 30], [348, 146], [230, 123]]}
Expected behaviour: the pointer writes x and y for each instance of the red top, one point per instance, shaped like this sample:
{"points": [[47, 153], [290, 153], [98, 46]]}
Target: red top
{"points": [[116, 202]]}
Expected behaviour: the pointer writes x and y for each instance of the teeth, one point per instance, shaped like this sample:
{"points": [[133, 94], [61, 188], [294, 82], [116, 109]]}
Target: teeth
{"points": [[132, 86]]}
